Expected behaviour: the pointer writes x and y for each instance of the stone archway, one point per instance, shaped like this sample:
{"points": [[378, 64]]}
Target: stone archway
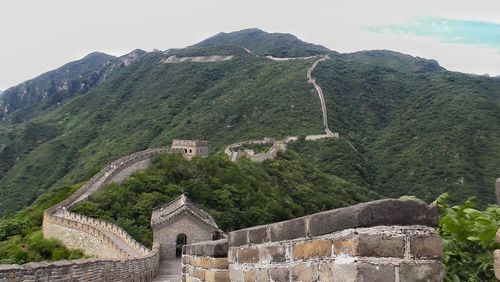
{"points": [[180, 241]]}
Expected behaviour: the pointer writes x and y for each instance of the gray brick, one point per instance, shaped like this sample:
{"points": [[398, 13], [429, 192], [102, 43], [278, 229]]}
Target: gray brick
{"points": [[428, 247], [279, 274], [238, 238], [288, 230], [376, 272], [257, 234], [426, 272]]}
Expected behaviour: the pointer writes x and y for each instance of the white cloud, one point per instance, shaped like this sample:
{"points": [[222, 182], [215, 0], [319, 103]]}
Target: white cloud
{"points": [[37, 36]]}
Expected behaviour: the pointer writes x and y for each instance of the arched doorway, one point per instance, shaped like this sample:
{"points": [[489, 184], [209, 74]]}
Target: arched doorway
{"points": [[180, 241]]}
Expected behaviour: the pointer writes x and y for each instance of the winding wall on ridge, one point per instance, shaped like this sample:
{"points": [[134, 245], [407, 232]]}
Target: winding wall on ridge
{"points": [[119, 256]]}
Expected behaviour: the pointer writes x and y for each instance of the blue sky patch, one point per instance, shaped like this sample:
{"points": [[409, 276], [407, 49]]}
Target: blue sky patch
{"points": [[478, 33]]}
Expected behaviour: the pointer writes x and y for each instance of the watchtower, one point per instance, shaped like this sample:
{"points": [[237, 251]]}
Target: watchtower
{"points": [[181, 222], [190, 148]]}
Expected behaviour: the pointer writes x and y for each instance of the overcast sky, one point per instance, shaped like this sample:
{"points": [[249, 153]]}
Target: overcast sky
{"points": [[38, 36]]}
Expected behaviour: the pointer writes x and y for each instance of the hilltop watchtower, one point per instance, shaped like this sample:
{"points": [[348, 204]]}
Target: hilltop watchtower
{"points": [[190, 148]]}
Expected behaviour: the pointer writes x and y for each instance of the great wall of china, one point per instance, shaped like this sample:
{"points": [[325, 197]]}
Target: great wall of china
{"points": [[392, 240], [235, 151], [385, 240]]}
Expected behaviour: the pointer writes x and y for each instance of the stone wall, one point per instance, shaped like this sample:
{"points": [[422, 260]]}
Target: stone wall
{"points": [[137, 269], [198, 59], [206, 261], [385, 240], [79, 231], [96, 237], [233, 150]]}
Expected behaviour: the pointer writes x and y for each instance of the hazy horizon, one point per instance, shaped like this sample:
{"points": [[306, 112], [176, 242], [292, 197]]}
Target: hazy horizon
{"points": [[462, 37]]}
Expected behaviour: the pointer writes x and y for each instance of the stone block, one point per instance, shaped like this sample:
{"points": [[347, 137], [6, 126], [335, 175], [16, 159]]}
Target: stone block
{"points": [[375, 272], [218, 248], [377, 213], [331, 221], [333, 272], [249, 275], [422, 272], [190, 270], [238, 238], [236, 275], [185, 258], [397, 212], [261, 275], [233, 255], [305, 273], [365, 245], [212, 263], [426, 247], [216, 276], [199, 273], [288, 230], [257, 235], [279, 274], [273, 254], [248, 255], [316, 248]]}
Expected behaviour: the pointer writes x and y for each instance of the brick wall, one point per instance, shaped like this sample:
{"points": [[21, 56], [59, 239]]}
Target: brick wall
{"points": [[205, 261], [385, 240], [138, 269]]}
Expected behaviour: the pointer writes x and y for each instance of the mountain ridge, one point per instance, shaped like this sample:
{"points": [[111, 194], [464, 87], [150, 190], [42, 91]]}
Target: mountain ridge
{"points": [[53, 87], [147, 103]]}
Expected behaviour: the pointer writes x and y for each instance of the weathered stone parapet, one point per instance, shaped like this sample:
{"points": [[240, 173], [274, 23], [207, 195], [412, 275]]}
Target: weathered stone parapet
{"points": [[386, 240], [386, 212], [105, 176], [95, 227], [137, 269], [206, 261]]}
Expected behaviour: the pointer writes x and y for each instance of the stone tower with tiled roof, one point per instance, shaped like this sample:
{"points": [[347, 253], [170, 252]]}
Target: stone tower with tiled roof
{"points": [[181, 217]]}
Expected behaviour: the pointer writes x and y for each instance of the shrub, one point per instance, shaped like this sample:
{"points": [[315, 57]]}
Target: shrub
{"points": [[469, 239]]}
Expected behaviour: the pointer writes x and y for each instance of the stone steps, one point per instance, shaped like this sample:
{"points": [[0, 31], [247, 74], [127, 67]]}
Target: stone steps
{"points": [[170, 270]]}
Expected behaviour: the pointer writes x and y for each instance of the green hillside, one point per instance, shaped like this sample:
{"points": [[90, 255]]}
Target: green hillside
{"points": [[408, 126], [238, 195], [263, 43], [423, 130]]}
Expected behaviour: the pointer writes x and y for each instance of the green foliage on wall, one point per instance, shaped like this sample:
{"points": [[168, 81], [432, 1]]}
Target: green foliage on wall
{"points": [[469, 239]]}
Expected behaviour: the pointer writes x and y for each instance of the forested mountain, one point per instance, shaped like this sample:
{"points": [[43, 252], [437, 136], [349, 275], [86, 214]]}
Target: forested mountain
{"points": [[34, 96], [407, 125]]}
